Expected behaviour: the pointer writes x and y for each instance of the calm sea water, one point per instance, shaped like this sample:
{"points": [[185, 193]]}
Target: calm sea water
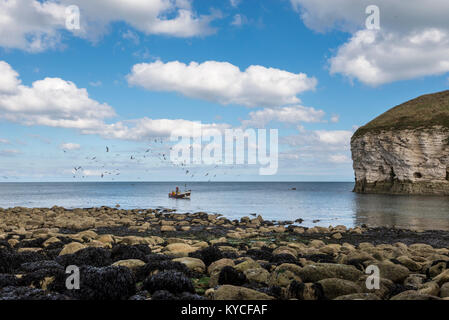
{"points": [[331, 203]]}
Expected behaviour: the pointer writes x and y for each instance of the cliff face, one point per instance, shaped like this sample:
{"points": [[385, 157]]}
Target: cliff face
{"points": [[399, 155]]}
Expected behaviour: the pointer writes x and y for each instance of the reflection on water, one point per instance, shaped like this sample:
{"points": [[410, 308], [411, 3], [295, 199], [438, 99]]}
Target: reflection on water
{"points": [[412, 212], [330, 203]]}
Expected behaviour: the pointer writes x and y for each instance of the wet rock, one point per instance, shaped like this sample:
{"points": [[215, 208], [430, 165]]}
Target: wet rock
{"points": [[51, 241], [173, 281], [284, 258], [358, 296], [413, 295], [442, 278], [258, 275], [285, 250], [220, 264], [430, 288], [409, 263], [320, 258], [305, 291], [333, 287], [71, 248], [132, 264], [444, 290], [248, 264], [228, 292], [320, 271], [284, 274], [436, 268], [106, 239], [193, 264], [394, 272], [180, 249], [414, 281], [387, 288], [168, 229]]}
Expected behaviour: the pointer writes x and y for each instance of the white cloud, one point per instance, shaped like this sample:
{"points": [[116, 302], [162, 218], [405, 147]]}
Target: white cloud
{"points": [[9, 152], [144, 128], [325, 146], [320, 140], [234, 3], [289, 114], [96, 83], [413, 40], [132, 36], [239, 20], [55, 102], [340, 158], [223, 82], [92, 173], [4, 141], [51, 102], [376, 58], [38, 25], [335, 118], [349, 15], [9, 79], [337, 137], [70, 146]]}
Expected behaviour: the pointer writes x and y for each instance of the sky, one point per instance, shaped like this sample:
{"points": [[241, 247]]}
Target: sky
{"points": [[99, 102]]}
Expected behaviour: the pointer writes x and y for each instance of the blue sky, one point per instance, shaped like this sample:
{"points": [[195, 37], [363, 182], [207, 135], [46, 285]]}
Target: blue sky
{"points": [[318, 74]]}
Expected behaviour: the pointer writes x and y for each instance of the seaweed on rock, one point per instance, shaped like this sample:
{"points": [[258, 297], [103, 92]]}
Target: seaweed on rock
{"points": [[96, 257], [173, 281]]}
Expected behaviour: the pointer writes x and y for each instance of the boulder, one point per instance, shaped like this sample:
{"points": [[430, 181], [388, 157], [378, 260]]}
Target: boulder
{"points": [[179, 249], [228, 292], [193, 264], [219, 264], [132, 264], [333, 287], [71, 248], [258, 275], [320, 271], [413, 295], [394, 272], [358, 296]]}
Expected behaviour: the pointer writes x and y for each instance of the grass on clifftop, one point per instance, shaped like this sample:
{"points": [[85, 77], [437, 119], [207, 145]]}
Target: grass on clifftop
{"points": [[425, 111]]}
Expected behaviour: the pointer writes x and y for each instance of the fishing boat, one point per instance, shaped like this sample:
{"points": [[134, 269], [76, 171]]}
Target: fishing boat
{"points": [[180, 195]]}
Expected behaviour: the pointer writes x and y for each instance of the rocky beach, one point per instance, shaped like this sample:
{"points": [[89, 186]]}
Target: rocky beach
{"points": [[157, 254]]}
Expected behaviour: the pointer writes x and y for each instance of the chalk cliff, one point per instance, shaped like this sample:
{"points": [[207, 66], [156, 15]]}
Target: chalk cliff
{"points": [[405, 150]]}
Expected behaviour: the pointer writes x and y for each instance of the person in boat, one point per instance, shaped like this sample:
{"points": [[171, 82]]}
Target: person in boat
{"points": [[177, 190]]}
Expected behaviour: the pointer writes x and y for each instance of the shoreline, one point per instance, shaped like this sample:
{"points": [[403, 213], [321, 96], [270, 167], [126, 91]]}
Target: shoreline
{"points": [[207, 256]]}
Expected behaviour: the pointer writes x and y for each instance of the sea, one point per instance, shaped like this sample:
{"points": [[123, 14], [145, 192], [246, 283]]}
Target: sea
{"points": [[317, 203]]}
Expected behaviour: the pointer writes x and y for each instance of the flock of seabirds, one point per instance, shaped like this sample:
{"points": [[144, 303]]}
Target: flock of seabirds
{"points": [[151, 153]]}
